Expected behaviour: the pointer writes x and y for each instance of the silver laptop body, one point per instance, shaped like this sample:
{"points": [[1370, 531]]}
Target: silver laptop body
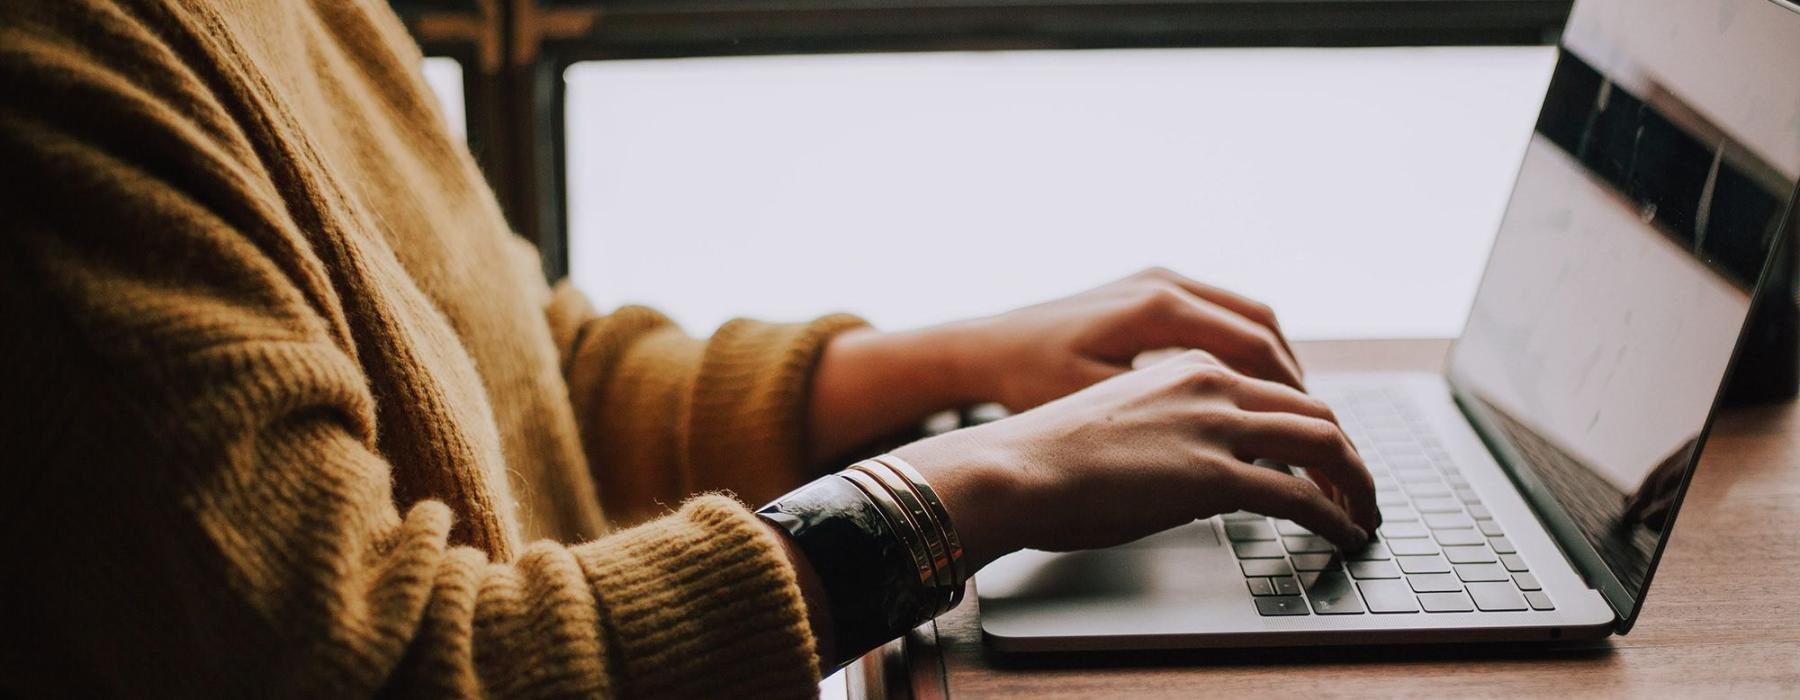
{"points": [[1529, 488]]}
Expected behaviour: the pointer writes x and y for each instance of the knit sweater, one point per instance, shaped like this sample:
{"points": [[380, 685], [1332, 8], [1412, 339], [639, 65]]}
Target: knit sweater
{"points": [[289, 411]]}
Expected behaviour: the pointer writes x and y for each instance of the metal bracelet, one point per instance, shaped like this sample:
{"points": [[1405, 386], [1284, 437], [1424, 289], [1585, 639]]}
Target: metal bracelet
{"points": [[902, 528], [918, 515], [952, 541]]}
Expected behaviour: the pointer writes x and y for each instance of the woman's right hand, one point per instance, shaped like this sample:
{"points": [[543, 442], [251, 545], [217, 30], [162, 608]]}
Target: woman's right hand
{"points": [[1143, 452]]}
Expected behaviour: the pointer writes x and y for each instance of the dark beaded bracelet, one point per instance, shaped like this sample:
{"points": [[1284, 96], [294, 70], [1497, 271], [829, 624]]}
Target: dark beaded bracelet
{"points": [[871, 584]]}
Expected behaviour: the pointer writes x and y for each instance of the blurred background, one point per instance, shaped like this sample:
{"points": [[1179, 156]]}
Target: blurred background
{"points": [[916, 161]]}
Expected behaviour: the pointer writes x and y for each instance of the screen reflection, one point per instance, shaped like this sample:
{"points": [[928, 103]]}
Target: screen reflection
{"points": [[1651, 194]]}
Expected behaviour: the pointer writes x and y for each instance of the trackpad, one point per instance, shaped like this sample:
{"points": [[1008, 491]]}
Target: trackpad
{"points": [[1166, 563]]}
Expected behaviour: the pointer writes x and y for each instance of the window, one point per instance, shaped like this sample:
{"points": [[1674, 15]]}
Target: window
{"points": [[1356, 190], [947, 141], [445, 76]]}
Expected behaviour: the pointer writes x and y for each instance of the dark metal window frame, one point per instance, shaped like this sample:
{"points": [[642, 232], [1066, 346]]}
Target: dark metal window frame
{"points": [[515, 52]]}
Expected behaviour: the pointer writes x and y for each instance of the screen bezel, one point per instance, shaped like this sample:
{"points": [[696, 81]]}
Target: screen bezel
{"points": [[1626, 603]]}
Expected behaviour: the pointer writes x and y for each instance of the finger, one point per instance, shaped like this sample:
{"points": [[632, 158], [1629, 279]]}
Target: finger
{"points": [[1318, 446], [1239, 304], [1269, 397], [1285, 496], [1265, 396], [1093, 372], [1184, 320]]}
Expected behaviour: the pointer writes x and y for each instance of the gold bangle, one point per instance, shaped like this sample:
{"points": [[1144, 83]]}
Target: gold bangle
{"points": [[952, 542], [896, 517], [918, 515]]}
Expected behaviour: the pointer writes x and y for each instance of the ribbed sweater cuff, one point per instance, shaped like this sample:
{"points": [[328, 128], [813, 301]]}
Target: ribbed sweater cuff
{"points": [[751, 397], [702, 603]]}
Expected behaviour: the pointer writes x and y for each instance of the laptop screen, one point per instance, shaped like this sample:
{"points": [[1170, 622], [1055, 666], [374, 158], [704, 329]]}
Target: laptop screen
{"points": [[1651, 195]]}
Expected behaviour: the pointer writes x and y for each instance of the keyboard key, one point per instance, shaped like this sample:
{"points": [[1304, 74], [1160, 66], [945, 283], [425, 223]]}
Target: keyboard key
{"points": [[1411, 462], [1438, 505], [1467, 496], [1482, 572], [1496, 597], [1375, 569], [1423, 565], [1393, 437], [1457, 481], [1274, 606], [1391, 514], [1448, 521], [1333, 594], [1388, 597], [1381, 419], [1376, 551], [1289, 528], [1315, 562], [1397, 448], [1390, 497], [1480, 512], [1403, 531], [1434, 583], [1489, 528], [1420, 478], [1538, 600], [1260, 586], [1285, 585], [1446, 602], [1249, 530], [1477, 554], [1407, 548], [1258, 550], [1307, 544], [1502, 545], [1526, 582], [1458, 538], [1431, 488], [1512, 562], [1266, 567], [1242, 515]]}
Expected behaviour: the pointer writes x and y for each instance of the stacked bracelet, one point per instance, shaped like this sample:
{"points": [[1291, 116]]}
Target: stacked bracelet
{"points": [[909, 486], [883, 546]]}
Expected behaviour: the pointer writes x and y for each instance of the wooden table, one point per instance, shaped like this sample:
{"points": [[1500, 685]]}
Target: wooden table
{"points": [[1722, 617]]}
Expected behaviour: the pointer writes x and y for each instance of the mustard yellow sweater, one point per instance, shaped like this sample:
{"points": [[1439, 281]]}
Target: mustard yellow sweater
{"points": [[286, 410]]}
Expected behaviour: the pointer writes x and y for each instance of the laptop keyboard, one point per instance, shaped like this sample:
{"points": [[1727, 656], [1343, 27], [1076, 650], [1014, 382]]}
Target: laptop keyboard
{"points": [[1439, 550]]}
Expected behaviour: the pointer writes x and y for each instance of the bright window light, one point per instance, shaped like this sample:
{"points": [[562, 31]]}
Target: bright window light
{"points": [[1356, 190]]}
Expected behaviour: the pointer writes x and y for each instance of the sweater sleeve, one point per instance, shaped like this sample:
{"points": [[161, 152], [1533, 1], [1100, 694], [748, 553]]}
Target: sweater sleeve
{"points": [[197, 501], [663, 414]]}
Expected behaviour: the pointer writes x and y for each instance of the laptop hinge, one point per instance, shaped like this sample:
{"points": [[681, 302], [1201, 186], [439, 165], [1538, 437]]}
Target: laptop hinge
{"points": [[1538, 496]]}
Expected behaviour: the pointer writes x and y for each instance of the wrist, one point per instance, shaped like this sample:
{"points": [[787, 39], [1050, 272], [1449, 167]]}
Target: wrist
{"points": [[871, 384], [964, 355], [980, 488], [945, 361]]}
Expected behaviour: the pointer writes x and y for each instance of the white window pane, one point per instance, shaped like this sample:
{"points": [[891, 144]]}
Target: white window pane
{"points": [[445, 77], [1356, 190]]}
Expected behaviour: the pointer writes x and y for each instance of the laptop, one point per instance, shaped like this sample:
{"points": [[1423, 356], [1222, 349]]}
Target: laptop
{"points": [[1528, 489]]}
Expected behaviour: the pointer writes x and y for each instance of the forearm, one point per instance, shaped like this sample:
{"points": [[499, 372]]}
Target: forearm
{"points": [[870, 384]]}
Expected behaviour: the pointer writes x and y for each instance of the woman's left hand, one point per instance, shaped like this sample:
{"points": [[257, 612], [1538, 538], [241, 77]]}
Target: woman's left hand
{"points": [[1024, 358], [870, 383]]}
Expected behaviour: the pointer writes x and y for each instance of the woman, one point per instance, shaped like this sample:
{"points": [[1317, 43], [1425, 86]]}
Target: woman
{"points": [[290, 411]]}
